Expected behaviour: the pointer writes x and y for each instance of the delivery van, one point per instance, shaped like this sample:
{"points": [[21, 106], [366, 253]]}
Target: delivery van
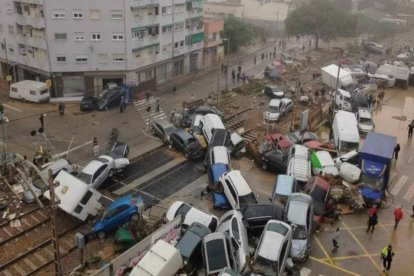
{"points": [[345, 131], [162, 259], [31, 91], [76, 197]]}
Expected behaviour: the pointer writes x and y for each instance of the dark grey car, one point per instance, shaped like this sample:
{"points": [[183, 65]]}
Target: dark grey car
{"points": [[186, 143], [162, 129], [256, 216]]}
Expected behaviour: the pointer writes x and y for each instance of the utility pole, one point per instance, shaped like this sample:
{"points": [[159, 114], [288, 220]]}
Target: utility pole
{"points": [[218, 82], [336, 90], [53, 207], [227, 59], [7, 59], [3, 132]]}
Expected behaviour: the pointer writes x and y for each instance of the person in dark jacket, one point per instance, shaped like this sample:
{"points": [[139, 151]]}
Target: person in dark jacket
{"points": [[372, 221], [396, 151]]}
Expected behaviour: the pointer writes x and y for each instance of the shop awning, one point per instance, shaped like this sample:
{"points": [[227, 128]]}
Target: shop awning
{"points": [[197, 37], [145, 47]]}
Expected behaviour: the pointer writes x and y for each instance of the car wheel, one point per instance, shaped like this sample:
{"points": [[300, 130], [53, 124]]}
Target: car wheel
{"points": [[264, 166], [135, 217], [101, 234], [110, 173]]}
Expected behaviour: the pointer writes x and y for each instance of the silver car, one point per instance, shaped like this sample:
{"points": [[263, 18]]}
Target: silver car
{"points": [[299, 213], [232, 224], [217, 253]]}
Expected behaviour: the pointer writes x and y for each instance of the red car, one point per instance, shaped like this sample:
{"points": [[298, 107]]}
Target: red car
{"points": [[318, 188]]}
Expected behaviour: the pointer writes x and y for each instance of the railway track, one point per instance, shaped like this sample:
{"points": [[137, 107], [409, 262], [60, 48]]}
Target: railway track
{"points": [[237, 120], [40, 256]]}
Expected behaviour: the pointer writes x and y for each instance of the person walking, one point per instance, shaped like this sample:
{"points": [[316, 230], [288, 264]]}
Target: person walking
{"points": [[370, 101], [398, 215], [95, 146], [387, 254], [335, 237], [174, 90], [396, 151], [243, 78], [381, 95], [61, 108], [238, 76], [254, 60], [157, 106], [42, 121], [233, 75], [121, 105], [372, 219], [239, 69], [410, 130]]}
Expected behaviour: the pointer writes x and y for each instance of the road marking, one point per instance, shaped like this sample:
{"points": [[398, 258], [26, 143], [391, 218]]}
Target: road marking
{"points": [[12, 108], [342, 258], [150, 195], [362, 247], [398, 186], [334, 266], [410, 193], [323, 249], [410, 160]]}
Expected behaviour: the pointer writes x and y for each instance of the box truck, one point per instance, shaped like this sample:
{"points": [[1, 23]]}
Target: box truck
{"points": [[31, 91], [330, 75]]}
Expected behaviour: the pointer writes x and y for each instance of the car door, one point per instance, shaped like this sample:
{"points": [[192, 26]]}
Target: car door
{"points": [[123, 215], [99, 176], [235, 240], [174, 140], [180, 143], [231, 195]]}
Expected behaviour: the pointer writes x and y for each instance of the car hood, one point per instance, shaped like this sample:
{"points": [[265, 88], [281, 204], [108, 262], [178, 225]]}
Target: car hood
{"points": [[299, 248], [272, 115], [366, 127], [195, 215]]}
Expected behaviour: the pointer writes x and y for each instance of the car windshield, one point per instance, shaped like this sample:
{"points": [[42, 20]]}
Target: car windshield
{"points": [[215, 255], [169, 129], [372, 181], [264, 266], [273, 109], [365, 121], [87, 178], [247, 200], [299, 233], [183, 210], [318, 194]]}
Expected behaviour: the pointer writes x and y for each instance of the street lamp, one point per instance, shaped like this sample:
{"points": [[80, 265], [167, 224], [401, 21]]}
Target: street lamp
{"points": [[228, 57]]}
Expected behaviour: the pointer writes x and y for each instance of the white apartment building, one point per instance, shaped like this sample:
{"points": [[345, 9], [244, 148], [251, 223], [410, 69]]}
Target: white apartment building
{"points": [[81, 45]]}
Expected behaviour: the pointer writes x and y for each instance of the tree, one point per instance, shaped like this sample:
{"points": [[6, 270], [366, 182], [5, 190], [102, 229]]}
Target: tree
{"points": [[238, 32], [321, 19]]}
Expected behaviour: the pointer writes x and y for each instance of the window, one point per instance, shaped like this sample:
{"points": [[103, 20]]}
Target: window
{"points": [[81, 59], [117, 14], [96, 36], [182, 43], [61, 59], [139, 34], [58, 14], [11, 29], [166, 29], [79, 36], [77, 14], [153, 30], [117, 36], [118, 58], [95, 14], [9, 8], [60, 36], [102, 58]]}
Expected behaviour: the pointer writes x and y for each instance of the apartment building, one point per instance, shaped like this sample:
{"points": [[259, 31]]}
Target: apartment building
{"points": [[82, 45], [213, 49]]}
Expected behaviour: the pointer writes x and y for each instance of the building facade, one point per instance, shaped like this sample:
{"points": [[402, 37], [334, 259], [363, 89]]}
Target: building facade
{"points": [[82, 45], [213, 49]]}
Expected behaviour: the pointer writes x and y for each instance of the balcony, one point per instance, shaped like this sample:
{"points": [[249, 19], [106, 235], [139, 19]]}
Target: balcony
{"points": [[37, 22], [36, 2], [143, 3], [212, 43], [36, 42]]}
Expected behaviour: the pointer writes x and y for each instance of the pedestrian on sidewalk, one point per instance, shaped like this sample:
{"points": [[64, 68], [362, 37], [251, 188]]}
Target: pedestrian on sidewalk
{"points": [[398, 215], [239, 69], [370, 98], [238, 76], [243, 78], [262, 56], [396, 151], [61, 108], [42, 121], [387, 254], [381, 95], [410, 130], [157, 106], [95, 146], [121, 105], [233, 75], [254, 60], [372, 219], [303, 48], [335, 237], [174, 90]]}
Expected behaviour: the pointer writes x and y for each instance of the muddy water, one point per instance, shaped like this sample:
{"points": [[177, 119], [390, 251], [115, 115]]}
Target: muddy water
{"points": [[393, 115]]}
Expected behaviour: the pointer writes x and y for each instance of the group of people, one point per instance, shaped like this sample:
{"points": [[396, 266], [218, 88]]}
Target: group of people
{"points": [[239, 75], [372, 102]]}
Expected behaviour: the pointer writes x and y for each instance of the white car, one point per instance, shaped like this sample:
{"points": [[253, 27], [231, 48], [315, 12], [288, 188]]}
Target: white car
{"points": [[232, 224], [322, 163], [273, 249], [364, 119], [277, 108], [98, 170], [237, 191], [190, 214], [299, 215]]}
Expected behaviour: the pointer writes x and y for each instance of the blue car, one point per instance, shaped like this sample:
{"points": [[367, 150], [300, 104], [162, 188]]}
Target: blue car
{"points": [[117, 214], [217, 196]]}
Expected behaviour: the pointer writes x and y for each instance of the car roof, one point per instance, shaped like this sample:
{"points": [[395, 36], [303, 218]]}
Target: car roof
{"points": [[240, 184], [297, 212], [191, 239], [92, 166], [120, 201], [183, 134], [263, 210], [163, 122], [274, 102], [272, 239], [286, 100], [325, 158], [364, 113], [284, 184]]}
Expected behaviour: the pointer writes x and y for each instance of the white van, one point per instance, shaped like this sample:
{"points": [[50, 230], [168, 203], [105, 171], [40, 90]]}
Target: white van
{"points": [[209, 123], [31, 91], [345, 131], [162, 259], [343, 100], [299, 166], [76, 198]]}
